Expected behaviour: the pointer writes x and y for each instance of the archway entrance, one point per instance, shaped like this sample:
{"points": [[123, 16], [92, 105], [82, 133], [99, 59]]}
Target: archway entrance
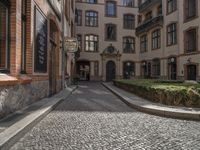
{"points": [[83, 70], [52, 57], [110, 71], [191, 72]]}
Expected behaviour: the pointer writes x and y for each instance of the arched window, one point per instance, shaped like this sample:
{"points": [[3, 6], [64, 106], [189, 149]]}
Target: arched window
{"points": [[91, 18]]}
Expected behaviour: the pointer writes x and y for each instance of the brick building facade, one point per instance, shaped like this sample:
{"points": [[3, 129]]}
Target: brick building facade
{"points": [[30, 50]]}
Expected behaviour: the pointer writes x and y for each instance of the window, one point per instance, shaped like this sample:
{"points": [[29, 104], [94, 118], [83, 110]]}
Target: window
{"points": [[128, 44], [3, 37], [96, 68], [191, 40], [171, 6], [72, 29], [111, 9], [67, 10], [156, 68], [171, 34], [129, 3], [139, 2], [79, 38], [91, 1], [190, 9], [78, 18], [148, 16], [129, 21], [23, 34], [72, 4], [143, 43], [91, 43], [156, 42], [159, 10], [91, 18], [111, 31], [139, 19]]}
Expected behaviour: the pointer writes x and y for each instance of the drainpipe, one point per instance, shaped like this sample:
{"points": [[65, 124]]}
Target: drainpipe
{"points": [[63, 50]]}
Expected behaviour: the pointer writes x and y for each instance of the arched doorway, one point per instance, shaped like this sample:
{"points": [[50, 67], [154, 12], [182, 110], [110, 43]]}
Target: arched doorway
{"points": [[54, 42], [191, 72], [110, 71], [83, 70]]}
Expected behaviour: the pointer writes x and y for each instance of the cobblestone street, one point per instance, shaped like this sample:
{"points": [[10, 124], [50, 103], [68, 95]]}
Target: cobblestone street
{"points": [[92, 118]]}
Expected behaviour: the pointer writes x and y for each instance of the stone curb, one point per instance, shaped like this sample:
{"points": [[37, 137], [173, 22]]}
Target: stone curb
{"points": [[159, 110], [13, 133]]}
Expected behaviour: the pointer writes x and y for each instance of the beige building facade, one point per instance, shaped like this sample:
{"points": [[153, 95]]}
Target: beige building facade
{"points": [[138, 39]]}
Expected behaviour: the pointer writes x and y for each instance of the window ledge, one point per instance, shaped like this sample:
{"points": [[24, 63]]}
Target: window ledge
{"points": [[6, 80]]}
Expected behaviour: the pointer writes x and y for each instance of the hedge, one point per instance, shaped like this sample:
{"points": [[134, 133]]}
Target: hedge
{"points": [[174, 93]]}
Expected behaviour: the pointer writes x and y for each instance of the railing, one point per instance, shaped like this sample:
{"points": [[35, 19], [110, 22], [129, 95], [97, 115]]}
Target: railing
{"points": [[148, 24], [147, 4]]}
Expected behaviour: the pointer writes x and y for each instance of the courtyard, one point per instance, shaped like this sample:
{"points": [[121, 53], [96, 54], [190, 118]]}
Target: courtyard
{"points": [[93, 118]]}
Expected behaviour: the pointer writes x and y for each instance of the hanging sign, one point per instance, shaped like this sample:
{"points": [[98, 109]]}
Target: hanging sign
{"points": [[70, 45]]}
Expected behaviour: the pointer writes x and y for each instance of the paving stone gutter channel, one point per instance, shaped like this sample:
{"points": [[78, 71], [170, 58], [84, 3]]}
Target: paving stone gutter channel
{"points": [[13, 128], [154, 108]]}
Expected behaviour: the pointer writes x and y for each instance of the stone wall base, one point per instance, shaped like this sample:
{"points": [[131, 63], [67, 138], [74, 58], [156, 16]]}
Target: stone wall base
{"points": [[13, 98]]}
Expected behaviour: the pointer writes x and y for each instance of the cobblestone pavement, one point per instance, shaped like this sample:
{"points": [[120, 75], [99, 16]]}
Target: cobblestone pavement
{"points": [[94, 119]]}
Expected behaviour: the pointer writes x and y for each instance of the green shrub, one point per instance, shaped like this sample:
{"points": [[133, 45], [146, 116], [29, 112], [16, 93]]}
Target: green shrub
{"points": [[166, 92]]}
